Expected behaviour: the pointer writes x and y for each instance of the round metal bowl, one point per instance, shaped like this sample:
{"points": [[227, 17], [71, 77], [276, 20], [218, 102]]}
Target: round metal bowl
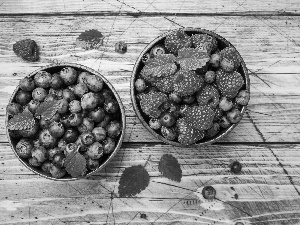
{"points": [[56, 68], [222, 43]]}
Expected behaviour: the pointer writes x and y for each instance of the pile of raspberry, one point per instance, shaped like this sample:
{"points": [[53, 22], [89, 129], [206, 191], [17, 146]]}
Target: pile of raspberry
{"points": [[189, 88], [88, 120]]}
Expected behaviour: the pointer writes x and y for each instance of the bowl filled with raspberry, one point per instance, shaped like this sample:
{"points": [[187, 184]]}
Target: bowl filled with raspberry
{"points": [[190, 87], [65, 121]]}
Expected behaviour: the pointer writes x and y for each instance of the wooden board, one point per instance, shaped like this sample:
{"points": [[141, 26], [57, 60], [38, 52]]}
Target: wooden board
{"points": [[149, 6], [266, 189]]}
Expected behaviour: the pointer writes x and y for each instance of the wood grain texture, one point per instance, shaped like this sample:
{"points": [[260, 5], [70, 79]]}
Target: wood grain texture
{"points": [[262, 192], [148, 6]]}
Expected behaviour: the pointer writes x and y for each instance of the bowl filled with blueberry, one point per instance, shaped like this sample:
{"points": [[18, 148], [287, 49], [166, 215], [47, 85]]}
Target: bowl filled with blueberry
{"points": [[190, 87], [65, 121]]}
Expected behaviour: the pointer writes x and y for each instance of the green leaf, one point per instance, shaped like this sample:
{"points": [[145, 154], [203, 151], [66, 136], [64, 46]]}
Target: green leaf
{"points": [[192, 59], [48, 109], [134, 179], [75, 164], [22, 121], [170, 168], [159, 67]]}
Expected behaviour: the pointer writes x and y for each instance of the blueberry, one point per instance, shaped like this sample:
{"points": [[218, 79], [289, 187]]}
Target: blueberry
{"points": [[33, 105], [80, 89], [46, 139], [13, 108], [63, 106], [157, 50], [57, 92], [111, 106], [56, 129], [168, 133], [69, 75], [108, 145], [209, 77], [71, 147], [234, 116], [97, 115], [42, 79], [89, 101], [27, 84], [175, 98], [140, 85], [145, 57], [82, 77], [215, 60], [92, 164], [208, 192], [44, 124], [46, 166], [24, 147], [224, 122], [236, 167], [87, 138], [70, 135], [50, 98], [40, 153], [34, 162], [75, 119], [54, 151], [121, 47], [94, 83], [68, 95], [59, 159], [225, 104], [100, 98], [114, 129], [39, 94], [23, 97], [56, 81], [57, 172], [167, 120], [107, 94], [62, 144], [104, 123], [74, 106], [95, 150], [155, 124], [86, 125], [99, 134], [213, 131]]}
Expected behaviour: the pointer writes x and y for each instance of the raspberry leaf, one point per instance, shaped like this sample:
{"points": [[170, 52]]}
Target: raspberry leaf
{"points": [[22, 121], [159, 67], [192, 59], [133, 180], [170, 168], [75, 164], [48, 109]]}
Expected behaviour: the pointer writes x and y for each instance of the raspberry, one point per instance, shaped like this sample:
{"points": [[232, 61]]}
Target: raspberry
{"points": [[230, 59], [229, 83], [31, 132], [187, 134], [209, 96], [205, 42], [27, 49], [151, 103], [176, 40]]}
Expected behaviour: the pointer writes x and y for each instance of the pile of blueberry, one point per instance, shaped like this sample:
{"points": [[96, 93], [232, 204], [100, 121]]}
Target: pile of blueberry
{"points": [[88, 120]]}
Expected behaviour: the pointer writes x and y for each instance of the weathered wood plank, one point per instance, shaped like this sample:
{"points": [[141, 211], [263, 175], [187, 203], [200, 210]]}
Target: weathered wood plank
{"points": [[148, 6], [262, 192], [274, 42]]}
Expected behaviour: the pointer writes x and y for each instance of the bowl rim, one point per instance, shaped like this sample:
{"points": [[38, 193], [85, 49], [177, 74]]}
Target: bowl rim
{"points": [[134, 73], [122, 109]]}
